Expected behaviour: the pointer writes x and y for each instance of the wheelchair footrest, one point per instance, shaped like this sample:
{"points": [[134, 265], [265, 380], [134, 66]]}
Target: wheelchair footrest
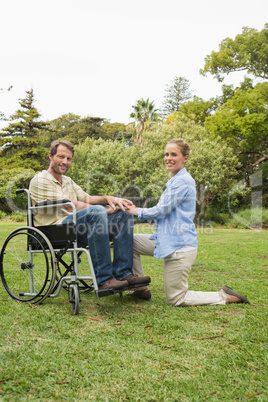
{"points": [[109, 292]]}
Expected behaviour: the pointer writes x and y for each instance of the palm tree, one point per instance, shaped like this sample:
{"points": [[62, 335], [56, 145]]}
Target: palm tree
{"points": [[144, 113]]}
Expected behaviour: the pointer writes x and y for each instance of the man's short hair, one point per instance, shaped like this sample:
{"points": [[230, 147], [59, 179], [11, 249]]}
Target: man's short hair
{"points": [[54, 146]]}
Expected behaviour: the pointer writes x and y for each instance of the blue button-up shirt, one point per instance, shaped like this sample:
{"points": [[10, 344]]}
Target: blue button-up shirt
{"points": [[173, 215]]}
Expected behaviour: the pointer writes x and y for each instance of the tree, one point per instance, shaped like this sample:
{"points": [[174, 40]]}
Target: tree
{"points": [[241, 120], [198, 109], [144, 114], [116, 131], [76, 129], [242, 123], [176, 94], [19, 145], [61, 127], [247, 52]]}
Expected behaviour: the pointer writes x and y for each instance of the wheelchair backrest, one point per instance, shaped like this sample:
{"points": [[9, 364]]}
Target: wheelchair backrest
{"points": [[58, 235]]}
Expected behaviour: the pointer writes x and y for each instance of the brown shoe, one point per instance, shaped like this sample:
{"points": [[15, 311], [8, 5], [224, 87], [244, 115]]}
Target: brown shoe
{"points": [[231, 292], [137, 280], [141, 294], [113, 283]]}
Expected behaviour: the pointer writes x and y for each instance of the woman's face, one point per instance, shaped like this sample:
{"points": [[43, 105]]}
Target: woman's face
{"points": [[174, 160]]}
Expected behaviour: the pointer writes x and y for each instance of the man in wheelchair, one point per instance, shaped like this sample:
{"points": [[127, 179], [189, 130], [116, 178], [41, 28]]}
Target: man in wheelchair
{"points": [[100, 219]]}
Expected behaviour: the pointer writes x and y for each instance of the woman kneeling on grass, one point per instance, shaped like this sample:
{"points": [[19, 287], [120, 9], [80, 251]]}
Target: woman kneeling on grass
{"points": [[175, 237]]}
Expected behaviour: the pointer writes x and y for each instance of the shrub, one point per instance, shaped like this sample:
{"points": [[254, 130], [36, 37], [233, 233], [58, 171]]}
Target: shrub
{"points": [[249, 218], [2, 215], [18, 217]]}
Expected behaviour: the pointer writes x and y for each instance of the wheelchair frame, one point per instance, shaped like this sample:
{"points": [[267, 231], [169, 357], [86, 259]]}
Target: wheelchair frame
{"points": [[31, 260]]}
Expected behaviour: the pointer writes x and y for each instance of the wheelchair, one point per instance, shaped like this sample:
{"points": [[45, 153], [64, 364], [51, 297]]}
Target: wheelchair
{"points": [[33, 263]]}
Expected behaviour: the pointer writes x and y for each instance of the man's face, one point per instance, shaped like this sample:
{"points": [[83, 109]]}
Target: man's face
{"points": [[61, 161]]}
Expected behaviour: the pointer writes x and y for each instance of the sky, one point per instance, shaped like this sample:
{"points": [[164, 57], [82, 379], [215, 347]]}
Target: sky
{"points": [[98, 57]]}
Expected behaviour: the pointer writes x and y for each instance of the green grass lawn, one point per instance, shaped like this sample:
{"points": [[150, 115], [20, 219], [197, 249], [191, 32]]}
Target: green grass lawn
{"points": [[118, 349]]}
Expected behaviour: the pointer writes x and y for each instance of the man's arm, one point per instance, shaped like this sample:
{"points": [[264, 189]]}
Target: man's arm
{"points": [[114, 202], [78, 205]]}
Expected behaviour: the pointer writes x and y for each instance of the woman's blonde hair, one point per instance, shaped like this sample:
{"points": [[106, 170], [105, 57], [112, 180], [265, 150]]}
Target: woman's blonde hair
{"points": [[185, 148]]}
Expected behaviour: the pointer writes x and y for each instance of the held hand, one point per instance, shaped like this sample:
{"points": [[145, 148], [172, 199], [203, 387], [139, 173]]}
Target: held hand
{"points": [[132, 210], [111, 210], [115, 202]]}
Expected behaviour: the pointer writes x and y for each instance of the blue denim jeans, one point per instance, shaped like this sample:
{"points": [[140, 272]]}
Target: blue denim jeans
{"points": [[95, 229]]}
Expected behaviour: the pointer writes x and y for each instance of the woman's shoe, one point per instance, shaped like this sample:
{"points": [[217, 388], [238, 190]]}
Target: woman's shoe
{"points": [[231, 292], [141, 294]]}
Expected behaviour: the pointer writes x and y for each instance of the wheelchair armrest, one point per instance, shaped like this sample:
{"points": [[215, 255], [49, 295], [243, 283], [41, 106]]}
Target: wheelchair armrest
{"points": [[45, 205], [49, 203]]}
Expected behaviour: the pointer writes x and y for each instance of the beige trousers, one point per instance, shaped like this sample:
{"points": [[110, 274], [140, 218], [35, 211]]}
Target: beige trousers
{"points": [[176, 270]]}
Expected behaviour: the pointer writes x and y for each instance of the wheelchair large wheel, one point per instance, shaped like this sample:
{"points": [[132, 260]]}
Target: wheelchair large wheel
{"points": [[27, 265]]}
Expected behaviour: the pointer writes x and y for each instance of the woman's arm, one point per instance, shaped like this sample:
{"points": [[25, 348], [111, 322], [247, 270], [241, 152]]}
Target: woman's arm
{"points": [[169, 200]]}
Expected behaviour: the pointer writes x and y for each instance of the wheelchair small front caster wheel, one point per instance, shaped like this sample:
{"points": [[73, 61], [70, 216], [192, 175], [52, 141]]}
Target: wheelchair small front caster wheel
{"points": [[74, 299]]}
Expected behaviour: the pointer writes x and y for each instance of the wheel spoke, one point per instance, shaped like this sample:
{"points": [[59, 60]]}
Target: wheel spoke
{"points": [[27, 275]]}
